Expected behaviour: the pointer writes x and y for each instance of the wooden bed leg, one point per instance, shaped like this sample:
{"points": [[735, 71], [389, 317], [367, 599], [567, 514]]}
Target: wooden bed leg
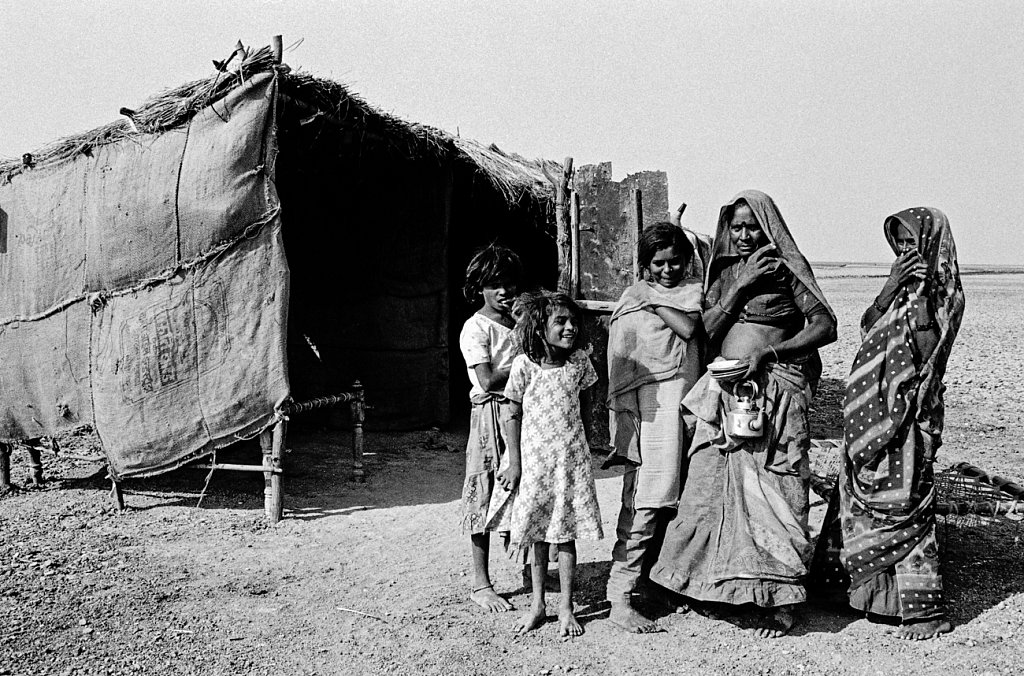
{"points": [[116, 494], [5, 467], [272, 444], [35, 466], [358, 417]]}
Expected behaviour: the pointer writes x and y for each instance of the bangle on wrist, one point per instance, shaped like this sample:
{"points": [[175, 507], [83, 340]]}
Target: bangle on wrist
{"points": [[722, 308], [878, 306], [772, 348]]}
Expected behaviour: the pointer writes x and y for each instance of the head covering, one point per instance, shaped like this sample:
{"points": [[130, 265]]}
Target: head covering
{"points": [[770, 219], [940, 296]]}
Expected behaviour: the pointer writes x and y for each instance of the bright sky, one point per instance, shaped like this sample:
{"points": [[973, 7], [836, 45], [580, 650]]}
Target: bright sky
{"points": [[844, 112]]}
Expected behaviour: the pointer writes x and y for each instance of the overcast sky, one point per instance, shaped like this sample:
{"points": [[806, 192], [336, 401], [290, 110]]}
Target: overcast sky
{"points": [[844, 112]]}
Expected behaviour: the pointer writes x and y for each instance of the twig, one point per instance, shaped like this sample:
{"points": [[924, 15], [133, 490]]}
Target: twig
{"points": [[359, 612]]}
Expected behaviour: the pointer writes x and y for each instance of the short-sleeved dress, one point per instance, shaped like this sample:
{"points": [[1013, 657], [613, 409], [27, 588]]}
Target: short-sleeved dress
{"points": [[557, 500], [485, 341]]}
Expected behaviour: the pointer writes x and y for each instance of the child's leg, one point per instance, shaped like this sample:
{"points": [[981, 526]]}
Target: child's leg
{"points": [[538, 570], [567, 624], [483, 592]]}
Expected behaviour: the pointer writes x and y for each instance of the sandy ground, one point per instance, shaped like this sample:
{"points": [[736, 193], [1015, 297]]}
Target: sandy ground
{"points": [[373, 578]]}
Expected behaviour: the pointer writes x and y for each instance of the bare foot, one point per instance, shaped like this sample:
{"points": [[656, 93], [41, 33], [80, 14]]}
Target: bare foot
{"points": [[486, 598], [624, 616], [567, 624], [923, 629], [533, 619], [776, 623]]}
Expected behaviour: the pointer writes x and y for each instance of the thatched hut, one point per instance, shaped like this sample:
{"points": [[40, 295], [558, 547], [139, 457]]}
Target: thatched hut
{"points": [[173, 277]]}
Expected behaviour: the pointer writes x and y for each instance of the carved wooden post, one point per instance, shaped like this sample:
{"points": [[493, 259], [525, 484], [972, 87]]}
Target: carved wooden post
{"points": [[358, 407]]}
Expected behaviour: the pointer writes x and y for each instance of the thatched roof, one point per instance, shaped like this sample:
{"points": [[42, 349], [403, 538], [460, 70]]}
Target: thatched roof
{"points": [[514, 176]]}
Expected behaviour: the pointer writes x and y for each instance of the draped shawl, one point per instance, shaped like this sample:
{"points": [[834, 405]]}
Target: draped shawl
{"points": [[643, 349]]}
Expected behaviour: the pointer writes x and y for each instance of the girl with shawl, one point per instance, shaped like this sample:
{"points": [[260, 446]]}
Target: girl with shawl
{"points": [[655, 345], [892, 423], [740, 534]]}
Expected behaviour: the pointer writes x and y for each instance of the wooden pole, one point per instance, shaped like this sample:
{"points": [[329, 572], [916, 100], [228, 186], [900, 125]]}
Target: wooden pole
{"points": [[5, 467], [574, 244], [272, 446], [563, 239], [278, 46], [35, 466], [358, 407], [115, 493], [636, 213]]}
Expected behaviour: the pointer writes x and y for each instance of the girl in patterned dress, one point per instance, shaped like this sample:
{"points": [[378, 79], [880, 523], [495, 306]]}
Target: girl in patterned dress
{"points": [[548, 455]]}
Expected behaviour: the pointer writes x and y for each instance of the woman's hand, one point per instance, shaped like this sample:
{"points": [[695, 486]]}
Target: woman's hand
{"points": [[908, 267], [755, 359], [509, 477], [762, 264]]}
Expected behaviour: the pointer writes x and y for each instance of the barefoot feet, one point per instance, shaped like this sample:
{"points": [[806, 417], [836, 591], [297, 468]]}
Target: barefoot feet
{"points": [[533, 619], [567, 624], [486, 598], [624, 616], [923, 629], [774, 623]]}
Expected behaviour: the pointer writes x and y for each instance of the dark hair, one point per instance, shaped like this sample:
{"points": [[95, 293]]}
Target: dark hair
{"points": [[532, 312], [660, 236], [489, 265]]}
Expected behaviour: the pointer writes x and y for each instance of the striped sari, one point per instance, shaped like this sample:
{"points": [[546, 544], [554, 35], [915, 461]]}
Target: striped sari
{"points": [[893, 420]]}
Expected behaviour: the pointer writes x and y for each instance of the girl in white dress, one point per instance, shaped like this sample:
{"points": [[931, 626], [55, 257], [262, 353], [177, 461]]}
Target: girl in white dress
{"points": [[548, 455]]}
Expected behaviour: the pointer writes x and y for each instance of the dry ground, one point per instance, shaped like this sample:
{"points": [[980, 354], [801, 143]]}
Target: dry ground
{"points": [[169, 588]]}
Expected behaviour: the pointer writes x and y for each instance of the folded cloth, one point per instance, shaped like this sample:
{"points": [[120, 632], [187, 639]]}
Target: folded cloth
{"points": [[643, 349]]}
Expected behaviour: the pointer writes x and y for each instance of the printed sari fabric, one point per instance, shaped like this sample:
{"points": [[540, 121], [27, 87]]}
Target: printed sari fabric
{"points": [[893, 420], [740, 533]]}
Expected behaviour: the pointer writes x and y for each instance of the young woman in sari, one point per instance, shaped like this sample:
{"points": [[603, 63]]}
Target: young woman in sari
{"points": [[655, 356], [893, 421], [740, 533]]}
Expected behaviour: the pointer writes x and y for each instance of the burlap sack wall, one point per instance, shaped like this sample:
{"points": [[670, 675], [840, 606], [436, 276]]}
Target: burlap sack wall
{"points": [[145, 290]]}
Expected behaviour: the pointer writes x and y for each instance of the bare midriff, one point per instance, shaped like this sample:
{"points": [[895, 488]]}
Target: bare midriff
{"points": [[743, 337]]}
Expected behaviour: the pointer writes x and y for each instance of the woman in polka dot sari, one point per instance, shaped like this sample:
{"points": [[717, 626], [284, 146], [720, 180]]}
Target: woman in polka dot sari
{"points": [[893, 426]]}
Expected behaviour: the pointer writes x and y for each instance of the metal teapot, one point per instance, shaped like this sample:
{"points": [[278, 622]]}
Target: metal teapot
{"points": [[747, 419]]}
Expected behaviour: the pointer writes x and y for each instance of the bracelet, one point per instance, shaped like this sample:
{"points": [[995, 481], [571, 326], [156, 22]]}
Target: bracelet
{"points": [[724, 311], [925, 327], [880, 308], [772, 348]]}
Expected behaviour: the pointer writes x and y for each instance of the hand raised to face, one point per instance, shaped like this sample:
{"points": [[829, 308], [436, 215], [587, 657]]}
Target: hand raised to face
{"points": [[908, 268], [762, 265]]}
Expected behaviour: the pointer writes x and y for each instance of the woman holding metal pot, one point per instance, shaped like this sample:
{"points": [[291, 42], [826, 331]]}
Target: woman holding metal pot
{"points": [[740, 536]]}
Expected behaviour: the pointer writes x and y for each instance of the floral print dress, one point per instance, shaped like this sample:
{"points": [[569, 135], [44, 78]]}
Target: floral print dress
{"points": [[556, 500]]}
